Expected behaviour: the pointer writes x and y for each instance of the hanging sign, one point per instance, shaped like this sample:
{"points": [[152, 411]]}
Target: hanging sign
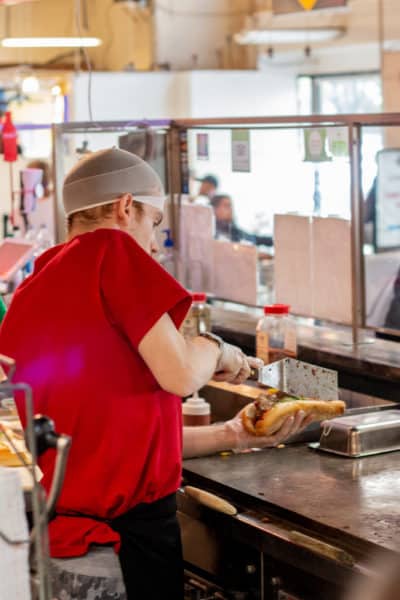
{"points": [[290, 6], [387, 208], [240, 151], [338, 138], [202, 146], [315, 145]]}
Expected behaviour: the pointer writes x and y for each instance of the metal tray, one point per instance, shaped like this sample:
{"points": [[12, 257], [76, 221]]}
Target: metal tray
{"points": [[361, 435]]}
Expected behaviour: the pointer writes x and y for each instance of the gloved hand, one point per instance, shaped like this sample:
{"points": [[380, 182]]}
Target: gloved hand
{"points": [[233, 366], [244, 440]]}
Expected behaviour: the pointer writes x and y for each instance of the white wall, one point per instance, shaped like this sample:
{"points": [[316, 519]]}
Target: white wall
{"points": [[169, 95], [242, 93], [124, 96]]}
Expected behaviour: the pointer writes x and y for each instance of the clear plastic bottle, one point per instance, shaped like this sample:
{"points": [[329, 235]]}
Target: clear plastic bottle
{"points": [[44, 240], [196, 411], [276, 334], [198, 319], [30, 236], [167, 259]]}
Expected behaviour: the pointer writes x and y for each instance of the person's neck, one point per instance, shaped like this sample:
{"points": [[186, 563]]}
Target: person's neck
{"points": [[80, 228]]}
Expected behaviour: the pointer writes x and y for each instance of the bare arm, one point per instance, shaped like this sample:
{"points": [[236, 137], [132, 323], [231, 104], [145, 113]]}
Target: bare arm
{"points": [[202, 441], [209, 439], [180, 366]]}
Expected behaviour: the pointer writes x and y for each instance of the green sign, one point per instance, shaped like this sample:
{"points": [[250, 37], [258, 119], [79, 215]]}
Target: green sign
{"points": [[338, 141], [315, 145], [240, 150]]}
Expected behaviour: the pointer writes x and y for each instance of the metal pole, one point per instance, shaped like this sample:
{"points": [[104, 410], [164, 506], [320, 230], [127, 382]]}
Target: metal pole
{"points": [[174, 180], [58, 176], [356, 223], [174, 186], [38, 507], [12, 215]]}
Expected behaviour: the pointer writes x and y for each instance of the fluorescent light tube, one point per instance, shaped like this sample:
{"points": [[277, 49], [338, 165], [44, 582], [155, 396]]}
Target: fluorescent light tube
{"points": [[51, 42], [288, 36]]}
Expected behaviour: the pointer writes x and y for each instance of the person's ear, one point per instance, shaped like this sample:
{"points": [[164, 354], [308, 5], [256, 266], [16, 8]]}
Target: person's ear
{"points": [[124, 208]]}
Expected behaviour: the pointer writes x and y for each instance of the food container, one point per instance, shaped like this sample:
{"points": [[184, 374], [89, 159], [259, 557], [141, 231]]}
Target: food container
{"points": [[276, 334], [361, 435], [198, 319], [196, 411]]}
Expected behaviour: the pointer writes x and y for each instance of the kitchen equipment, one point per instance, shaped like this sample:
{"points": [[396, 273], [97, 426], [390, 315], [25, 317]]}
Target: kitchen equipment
{"points": [[299, 378], [361, 435]]}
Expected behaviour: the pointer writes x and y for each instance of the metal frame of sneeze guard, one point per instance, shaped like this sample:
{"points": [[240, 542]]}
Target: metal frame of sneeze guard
{"points": [[354, 124], [178, 173], [41, 579]]}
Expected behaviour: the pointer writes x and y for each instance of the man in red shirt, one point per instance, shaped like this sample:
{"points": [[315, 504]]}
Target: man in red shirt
{"points": [[94, 331]]}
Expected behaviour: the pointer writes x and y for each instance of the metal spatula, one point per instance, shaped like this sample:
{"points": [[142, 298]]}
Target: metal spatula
{"points": [[299, 378]]}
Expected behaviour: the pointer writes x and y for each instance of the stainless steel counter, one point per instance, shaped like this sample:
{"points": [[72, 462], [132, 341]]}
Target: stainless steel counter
{"points": [[357, 500]]}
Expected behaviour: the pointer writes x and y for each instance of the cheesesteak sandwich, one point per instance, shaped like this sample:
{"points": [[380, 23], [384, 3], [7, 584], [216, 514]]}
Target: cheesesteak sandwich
{"points": [[266, 414]]}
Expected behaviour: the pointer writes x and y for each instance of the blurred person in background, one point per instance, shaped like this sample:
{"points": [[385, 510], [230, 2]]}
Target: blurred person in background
{"points": [[44, 214], [226, 226], [208, 186], [370, 214], [392, 320]]}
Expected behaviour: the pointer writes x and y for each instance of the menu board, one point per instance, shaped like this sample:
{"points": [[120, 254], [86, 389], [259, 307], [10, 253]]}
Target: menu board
{"points": [[387, 202]]}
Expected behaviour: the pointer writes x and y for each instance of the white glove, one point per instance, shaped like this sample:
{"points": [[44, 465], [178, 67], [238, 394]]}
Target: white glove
{"points": [[233, 366], [244, 440]]}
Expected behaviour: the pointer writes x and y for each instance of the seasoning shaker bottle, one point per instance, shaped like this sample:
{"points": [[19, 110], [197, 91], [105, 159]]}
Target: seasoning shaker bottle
{"points": [[198, 319], [195, 410], [276, 334]]}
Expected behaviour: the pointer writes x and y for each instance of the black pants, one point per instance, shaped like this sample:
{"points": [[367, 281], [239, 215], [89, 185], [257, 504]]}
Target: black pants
{"points": [[151, 551]]}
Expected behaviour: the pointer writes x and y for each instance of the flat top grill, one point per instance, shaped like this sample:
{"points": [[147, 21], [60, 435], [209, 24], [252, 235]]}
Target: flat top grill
{"points": [[356, 497]]}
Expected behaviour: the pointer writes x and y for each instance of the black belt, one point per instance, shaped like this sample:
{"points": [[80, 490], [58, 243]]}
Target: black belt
{"points": [[152, 510]]}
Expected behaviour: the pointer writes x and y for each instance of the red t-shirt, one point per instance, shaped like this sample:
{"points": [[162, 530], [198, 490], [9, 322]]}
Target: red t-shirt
{"points": [[74, 328]]}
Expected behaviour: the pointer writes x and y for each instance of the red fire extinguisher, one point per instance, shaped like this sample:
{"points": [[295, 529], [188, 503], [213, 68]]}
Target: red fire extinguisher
{"points": [[10, 151], [9, 135]]}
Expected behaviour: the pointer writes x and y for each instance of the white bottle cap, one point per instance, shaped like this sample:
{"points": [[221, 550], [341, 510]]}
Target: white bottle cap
{"points": [[196, 406]]}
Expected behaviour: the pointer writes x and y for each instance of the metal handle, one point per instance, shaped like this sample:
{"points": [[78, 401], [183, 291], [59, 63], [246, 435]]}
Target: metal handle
{"points": [[210, 500], [299, 540], [63, 446], [322, 548]]}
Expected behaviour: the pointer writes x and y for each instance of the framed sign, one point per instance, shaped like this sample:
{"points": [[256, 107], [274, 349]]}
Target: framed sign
{"points": [[387, 200], [240, 150], [202, 146], [315, 145], [290, 6]]}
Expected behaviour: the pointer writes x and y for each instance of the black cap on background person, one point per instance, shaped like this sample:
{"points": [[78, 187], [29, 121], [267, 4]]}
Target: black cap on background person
{"points": [[208, 185]]}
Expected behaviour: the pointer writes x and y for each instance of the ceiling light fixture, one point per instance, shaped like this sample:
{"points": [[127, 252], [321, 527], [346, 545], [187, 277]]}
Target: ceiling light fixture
{"points": [[30, 85], [51, 42], [288, 36], [56, 90]]}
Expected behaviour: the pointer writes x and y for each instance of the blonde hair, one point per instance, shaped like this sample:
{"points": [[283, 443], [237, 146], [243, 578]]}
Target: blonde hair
{"points": [[94, 216]]}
